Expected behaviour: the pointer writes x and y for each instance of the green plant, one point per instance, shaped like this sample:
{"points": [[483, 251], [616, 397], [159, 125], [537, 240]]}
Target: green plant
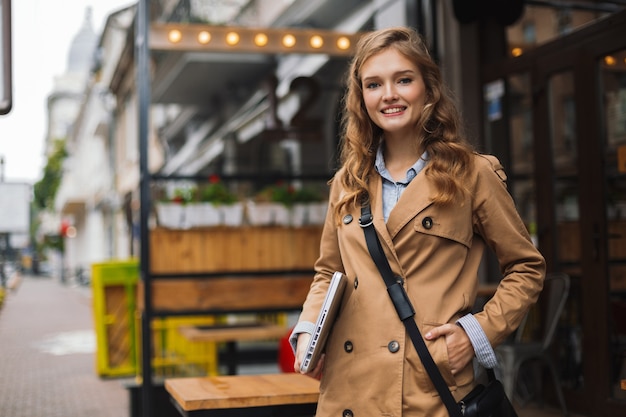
{"points": [[279, 192], [216, 192], [45, 189], [307, 195], [181, 195]]}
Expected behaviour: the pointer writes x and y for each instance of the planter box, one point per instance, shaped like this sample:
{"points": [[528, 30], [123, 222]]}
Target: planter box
{"points": [[202, 215], [171, 215], [234, 249]]}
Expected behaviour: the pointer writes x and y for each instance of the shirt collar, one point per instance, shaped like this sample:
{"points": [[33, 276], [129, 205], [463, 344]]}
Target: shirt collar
{"points": [[411, 173]]}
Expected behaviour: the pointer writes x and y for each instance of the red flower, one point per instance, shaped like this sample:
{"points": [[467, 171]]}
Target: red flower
{"points": [[214, 179]]}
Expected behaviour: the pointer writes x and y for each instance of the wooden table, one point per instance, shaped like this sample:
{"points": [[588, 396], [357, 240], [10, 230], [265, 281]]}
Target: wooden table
{"points": [[231, 335], [270, 395]]}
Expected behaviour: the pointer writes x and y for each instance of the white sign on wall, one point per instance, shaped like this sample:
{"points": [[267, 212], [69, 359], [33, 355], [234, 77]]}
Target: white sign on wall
{"points": [[14, 207]]}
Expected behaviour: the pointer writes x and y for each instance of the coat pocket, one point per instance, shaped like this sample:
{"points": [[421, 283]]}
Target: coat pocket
{"points": [[439, 351], [451, 223]]}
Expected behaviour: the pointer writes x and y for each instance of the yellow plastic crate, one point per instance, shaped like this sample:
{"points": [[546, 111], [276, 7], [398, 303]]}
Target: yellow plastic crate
{"points": [[114, 286], [118, 329]]}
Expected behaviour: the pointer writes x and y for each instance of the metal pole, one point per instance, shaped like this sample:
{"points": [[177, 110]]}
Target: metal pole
{"points": [[434, 41], [143, 90]]}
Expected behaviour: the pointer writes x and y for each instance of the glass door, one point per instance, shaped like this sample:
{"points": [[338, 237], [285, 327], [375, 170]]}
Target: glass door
{"points": [[557, 119], [613, 92], [565, 186]]}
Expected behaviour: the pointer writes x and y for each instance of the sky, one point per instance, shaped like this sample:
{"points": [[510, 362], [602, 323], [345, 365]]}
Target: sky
{"points": [[42, 32]]}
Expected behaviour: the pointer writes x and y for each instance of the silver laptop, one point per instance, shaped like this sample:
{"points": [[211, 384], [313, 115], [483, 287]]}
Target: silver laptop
{"points": [[325, 321]]}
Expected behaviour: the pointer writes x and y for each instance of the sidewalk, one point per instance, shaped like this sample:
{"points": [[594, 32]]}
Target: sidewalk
{"points": [[47, 355]]}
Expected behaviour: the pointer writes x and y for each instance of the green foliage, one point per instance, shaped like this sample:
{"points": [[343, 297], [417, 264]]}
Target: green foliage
{"points": [[307, 195], [287, 194], [216, 192], [45, 189], [183, 195], [276, 193]]}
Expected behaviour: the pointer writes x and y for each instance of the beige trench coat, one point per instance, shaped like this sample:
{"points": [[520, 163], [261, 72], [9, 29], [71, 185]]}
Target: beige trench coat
{"points": [[371, 367]]}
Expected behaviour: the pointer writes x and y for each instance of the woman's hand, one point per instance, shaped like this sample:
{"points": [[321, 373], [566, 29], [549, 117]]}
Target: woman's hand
{"points": [[301, 345], [460, 349]]}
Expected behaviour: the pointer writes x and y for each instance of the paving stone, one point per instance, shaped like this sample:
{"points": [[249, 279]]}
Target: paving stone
{"points": [[47, 355]]}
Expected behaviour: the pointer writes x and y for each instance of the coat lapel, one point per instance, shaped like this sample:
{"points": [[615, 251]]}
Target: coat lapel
{"points": [[416, 197]]}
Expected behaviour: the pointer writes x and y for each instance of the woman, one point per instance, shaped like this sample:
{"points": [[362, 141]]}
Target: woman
{"points": [[436, 206]]}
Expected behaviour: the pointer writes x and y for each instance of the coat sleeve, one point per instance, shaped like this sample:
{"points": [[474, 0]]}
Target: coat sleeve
{"points": [[522, 266], [327, 263]]}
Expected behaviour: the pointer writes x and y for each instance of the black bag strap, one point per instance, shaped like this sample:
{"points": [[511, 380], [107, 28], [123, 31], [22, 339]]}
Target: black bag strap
{"points": [[405, 310]]}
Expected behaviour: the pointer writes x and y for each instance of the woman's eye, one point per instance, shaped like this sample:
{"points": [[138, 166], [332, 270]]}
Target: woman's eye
{"points": [[405, 81], [371, 85]]}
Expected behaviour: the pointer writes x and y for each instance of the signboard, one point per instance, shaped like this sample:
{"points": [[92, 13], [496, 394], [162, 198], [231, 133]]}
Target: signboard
{"points": [[14, 207]]}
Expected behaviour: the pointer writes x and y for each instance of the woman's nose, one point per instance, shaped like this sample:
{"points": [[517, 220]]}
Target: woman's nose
{"points": [[390, 94]]}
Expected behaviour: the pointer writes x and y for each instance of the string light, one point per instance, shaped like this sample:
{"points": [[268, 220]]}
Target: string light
{"points": [[204, 37], [200, 37], [232, 38], [174, 36], [289, 40], [343, 43], [260, 39], [316, 41]]}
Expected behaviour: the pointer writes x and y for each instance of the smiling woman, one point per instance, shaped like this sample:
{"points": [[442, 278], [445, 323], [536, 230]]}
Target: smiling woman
{"points": [[411, 178]]}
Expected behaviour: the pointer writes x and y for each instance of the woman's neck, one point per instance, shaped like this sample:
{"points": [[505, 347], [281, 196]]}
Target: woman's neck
{"points": [[400, 155]]}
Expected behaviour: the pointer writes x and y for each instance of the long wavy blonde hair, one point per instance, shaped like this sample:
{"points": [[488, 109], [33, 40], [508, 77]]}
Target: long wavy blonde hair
{"points": [[438, 131]]}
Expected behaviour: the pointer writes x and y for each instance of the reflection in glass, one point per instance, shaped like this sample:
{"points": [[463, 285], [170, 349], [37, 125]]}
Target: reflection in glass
{"points": [[613, 70], [541, 24], [522, 157], [564, 145]]}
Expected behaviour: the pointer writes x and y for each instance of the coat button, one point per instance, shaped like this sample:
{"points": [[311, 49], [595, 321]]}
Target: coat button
{"points": [[356, 282], [393, 346], [347, 219], [348, 347], [347, 413], [427, 223]]}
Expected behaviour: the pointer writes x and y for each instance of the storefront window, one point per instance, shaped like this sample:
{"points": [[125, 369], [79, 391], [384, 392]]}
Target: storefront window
{"points": [[540, 23], [613, 76]]}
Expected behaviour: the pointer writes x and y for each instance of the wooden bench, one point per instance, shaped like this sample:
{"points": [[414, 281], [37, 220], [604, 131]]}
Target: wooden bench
{"points": [[278, 395]]}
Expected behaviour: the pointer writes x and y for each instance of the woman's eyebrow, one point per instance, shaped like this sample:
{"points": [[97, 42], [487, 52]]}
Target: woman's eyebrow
{"points": [[395, 74]]}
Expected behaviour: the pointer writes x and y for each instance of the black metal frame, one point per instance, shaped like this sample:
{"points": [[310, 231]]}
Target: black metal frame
{"points": [[142, 54]]}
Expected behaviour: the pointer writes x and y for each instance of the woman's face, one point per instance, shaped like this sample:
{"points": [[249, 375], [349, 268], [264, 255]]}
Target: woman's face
{"points": [[393, 92]]}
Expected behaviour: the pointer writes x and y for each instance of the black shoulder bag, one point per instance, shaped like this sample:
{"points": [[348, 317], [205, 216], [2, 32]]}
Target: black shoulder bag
{"points": [[484, 400]]}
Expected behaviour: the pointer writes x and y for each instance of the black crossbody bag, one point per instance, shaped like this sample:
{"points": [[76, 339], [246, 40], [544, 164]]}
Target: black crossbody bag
{"points": [[484, 400]]}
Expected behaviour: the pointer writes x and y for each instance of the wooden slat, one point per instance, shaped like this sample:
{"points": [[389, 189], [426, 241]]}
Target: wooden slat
{"points": [[241, 391], [221, 294], [226, 249], [235, 333]]}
